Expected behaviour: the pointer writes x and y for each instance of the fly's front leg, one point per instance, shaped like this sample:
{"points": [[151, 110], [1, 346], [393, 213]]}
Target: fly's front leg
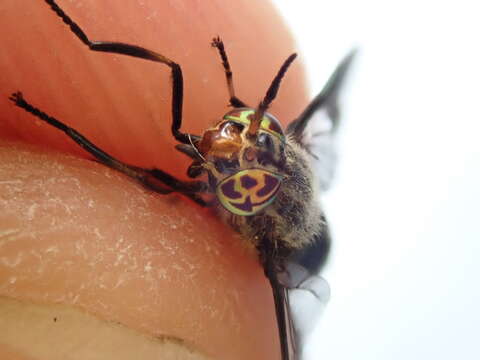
{"points": [[155, 179], [138, 52]]}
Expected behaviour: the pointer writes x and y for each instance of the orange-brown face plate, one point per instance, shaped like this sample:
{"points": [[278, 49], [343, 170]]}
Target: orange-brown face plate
{"points": [[223, 141]]}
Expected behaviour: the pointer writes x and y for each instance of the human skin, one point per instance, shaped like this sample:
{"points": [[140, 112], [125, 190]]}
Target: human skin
{"points": [[81, 240]]}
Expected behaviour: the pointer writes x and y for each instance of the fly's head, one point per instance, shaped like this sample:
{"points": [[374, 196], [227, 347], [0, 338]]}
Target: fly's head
{"points": [[244, 153], [244, 157]]}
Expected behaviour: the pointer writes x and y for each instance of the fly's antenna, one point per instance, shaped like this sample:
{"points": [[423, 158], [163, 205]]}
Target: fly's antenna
{"points": [[270, 96]]}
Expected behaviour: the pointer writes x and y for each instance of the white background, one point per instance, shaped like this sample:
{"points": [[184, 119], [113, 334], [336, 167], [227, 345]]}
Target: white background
{"points": [[405, 271]]}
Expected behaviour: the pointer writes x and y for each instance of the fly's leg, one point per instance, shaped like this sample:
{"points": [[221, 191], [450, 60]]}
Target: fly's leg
{"points": [[234, 101], [139, 52], [286, 331], [155, 179]]}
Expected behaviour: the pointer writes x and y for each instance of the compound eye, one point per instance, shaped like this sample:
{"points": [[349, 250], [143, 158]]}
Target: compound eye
{"points": [[265, 141], [272, 126]]}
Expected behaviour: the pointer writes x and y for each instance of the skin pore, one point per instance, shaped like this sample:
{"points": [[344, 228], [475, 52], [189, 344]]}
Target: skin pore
{"points": [[91, 263]]}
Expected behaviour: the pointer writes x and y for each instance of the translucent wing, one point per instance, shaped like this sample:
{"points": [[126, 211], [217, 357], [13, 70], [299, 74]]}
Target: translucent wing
{"points": [[300, 299], [307, 302], [300, 294], [316, 127]]}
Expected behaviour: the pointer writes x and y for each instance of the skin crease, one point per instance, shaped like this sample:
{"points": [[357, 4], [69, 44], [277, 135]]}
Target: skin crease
{"points": [[73, 232]]}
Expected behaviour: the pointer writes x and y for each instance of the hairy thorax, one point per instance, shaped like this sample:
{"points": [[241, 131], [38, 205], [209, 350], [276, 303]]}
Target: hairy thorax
{"points": [[292, 220]]}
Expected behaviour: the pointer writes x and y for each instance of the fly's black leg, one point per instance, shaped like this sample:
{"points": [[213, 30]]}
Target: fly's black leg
{"points": [[191, 151], [155, 179], [286, 331], [234, 101], [269, 258], [139, 52]]}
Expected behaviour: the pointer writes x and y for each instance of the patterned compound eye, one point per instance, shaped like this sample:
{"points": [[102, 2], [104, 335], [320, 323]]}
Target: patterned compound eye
{"points": [[248, 191], [269, 123], [272, 125]]}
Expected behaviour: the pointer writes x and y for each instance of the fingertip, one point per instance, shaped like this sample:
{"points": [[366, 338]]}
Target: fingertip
{"points": [[80, 234]]}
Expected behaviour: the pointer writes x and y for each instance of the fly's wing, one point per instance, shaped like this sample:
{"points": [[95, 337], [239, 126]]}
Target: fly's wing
{"points": [[307, 302], [300, 295], [316, 127], [300, 299]]}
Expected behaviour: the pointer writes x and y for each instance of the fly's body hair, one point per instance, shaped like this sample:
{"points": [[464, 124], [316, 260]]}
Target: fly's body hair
{"points": [[293, 220]]}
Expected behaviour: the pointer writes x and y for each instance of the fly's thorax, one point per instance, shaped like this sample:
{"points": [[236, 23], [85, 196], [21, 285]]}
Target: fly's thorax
{"points": [[293, 220], [245, 170], [296, 213]]}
